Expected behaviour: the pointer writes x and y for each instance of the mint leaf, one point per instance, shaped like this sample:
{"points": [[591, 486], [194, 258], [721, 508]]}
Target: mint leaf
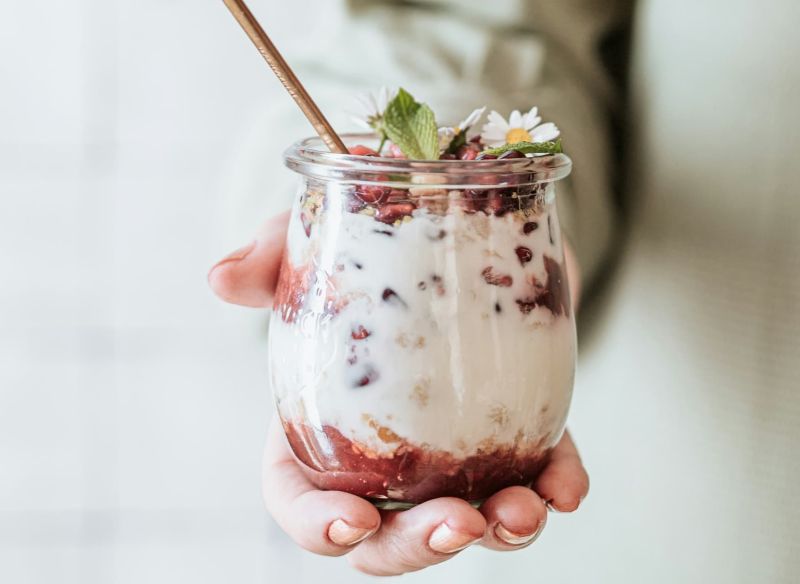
{"points": [[528, 148], [412, 127]]}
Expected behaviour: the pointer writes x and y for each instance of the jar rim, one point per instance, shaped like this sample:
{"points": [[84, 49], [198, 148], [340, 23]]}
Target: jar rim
{"points": [[311, 157]]}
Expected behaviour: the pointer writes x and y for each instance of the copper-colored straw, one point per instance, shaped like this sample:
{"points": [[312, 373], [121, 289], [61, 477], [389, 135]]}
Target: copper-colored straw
{"points": [[287, 77]]}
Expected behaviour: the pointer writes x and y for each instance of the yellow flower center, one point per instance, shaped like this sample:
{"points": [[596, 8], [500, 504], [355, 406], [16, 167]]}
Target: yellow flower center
{"points": [[515, 135]]}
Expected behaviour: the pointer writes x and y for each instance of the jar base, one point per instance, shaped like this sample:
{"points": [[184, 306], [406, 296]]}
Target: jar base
{"points": [[388, 505]]}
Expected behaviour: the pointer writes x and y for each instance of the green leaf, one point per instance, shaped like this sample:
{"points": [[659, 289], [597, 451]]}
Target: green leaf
{"points": [[528, 148], [412, 127], [457, 142]]}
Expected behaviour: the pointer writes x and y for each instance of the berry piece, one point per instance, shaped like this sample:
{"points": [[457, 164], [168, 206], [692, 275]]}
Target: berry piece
{"points": [[368, 377], [526, 305], [359, 333], [390, 297], [469, 151], [524, 254], [529, 227], [511, 154], [502, 280], [391, 212], [486, 157], [437, 279], [371, 194], [361, 150]]}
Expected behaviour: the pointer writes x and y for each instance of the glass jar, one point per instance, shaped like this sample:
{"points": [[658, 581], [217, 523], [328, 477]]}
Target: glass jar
{"points": [[422, 342]]}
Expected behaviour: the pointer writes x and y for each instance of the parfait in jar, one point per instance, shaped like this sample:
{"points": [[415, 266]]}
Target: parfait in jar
{"points": [[422, 342]]}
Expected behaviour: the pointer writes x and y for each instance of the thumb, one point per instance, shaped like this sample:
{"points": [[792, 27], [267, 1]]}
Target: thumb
{"points": [[248, 276]]}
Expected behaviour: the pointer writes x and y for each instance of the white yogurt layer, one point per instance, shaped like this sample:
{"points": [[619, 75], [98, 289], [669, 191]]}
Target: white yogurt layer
{"points": [[452, 362]]}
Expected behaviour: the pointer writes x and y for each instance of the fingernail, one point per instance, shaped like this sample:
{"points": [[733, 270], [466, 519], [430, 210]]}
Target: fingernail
{"points": [[237, 255], [551, 507], [342, 533], [512, 538], [446, 541]]}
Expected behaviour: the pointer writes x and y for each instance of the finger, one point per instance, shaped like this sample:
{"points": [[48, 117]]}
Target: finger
{"points": [[563, 483], [428, 534], [248, 276], [324, 522], [514, 517]]}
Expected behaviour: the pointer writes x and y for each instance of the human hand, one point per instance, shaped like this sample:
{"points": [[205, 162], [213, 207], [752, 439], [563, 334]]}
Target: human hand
{"points": [[379, 542]]}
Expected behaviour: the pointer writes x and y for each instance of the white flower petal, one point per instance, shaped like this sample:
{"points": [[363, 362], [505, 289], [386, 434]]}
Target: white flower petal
{"points": [[490, 138], [385, 95], [361, 122], [530, 119], [364, 103], [545, 132], [532, 123], [472, 119], [493, 143], [497, 120], [515, 119]]}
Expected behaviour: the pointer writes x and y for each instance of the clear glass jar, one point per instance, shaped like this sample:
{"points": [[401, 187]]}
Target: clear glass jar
{"points": [[422, 342]]}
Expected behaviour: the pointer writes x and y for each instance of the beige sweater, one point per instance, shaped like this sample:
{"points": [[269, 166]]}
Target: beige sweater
{"points": [[687, 406]]}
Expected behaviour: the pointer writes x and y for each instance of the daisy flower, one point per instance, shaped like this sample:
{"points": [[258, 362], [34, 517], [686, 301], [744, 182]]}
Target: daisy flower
{"points": [[448, 134], [518, 128], [373, 106]]}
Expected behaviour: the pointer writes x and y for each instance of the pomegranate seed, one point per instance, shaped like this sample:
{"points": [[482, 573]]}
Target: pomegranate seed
{"points": [[391, 212], [361, 150], [397, 196], [501, 280], [524, 254], [526, 305], [511, 154], [359, 333], [372, 195], [529, 227], [494, 204], [466, 153], [391, 297]]}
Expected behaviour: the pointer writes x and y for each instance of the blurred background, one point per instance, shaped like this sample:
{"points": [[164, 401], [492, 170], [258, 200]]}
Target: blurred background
{"points": [[133, 404]]}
